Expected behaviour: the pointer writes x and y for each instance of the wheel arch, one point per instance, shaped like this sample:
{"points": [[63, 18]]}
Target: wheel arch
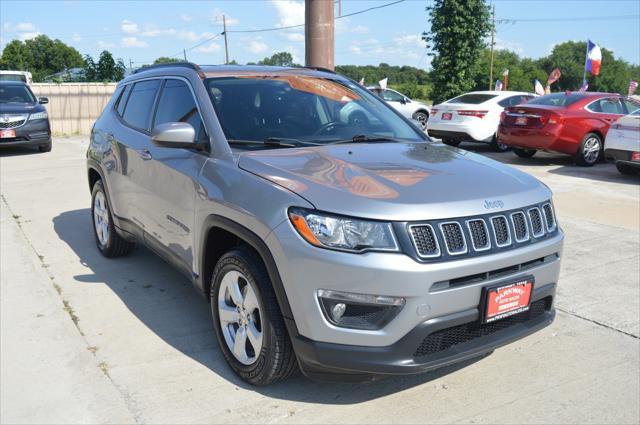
{"points": [[219, 234]]}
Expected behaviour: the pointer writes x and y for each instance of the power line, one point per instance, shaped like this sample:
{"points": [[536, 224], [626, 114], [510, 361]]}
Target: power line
{"points": [[584, 18], [302, 25]]}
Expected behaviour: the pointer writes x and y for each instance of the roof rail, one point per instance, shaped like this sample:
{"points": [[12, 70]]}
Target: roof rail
{"points": [[189, 65], [319, 68]]}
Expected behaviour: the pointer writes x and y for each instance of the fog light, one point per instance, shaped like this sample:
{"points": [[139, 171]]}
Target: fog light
{"points": [[359, 311], [337, 311]]}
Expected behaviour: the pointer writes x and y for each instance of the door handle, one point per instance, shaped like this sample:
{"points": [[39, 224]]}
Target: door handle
{"points": [[145, 154]]}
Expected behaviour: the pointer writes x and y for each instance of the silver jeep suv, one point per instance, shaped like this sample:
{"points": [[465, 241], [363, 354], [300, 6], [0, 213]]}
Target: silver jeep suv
{"points": [[344, 248]]}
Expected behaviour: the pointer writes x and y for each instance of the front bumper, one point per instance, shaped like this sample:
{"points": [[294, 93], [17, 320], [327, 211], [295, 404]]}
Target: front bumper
{"points": [[34, 133], [429, 306], [412, 354]]}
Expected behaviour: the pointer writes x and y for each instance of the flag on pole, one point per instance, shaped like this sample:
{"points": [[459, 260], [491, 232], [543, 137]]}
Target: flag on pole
{"points": [[633, 85], [554, 76], [498, 85], [505, 75], [594, 58], [584, 87], [539, 90], [383, 83], [361, 81]]}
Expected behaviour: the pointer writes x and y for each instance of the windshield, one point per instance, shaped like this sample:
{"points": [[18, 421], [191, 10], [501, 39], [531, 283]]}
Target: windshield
{"points": [[15, 94], [557, 99], [472, 98], [304, 109]]}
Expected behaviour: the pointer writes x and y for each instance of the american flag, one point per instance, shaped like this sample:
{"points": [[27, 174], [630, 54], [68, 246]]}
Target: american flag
{"points": [[633, 85]]}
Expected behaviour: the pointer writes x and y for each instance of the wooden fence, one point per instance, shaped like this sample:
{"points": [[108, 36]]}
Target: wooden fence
{"points": [[74, 107]]}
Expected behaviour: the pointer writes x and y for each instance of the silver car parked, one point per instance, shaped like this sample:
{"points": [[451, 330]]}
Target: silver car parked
{"points": [[346, 249]]}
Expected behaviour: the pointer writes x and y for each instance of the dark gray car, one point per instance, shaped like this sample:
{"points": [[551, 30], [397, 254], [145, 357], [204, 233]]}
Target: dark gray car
{"points": [[344, 248], [23, 119]]}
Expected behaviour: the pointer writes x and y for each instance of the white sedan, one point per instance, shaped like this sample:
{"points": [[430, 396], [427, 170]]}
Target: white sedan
{"points": [[409, 108], [473, 116], [622, 144]]}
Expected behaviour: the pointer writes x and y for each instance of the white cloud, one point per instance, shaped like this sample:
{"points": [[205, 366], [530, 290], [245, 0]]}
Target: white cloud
{"points": [[209, 48], [76, 37], [105, 44], [294, 36], [129, 27], [25, 27], [133, 42], [509, 45], [186, 18], [257, 46], [290, 12], [193, 36], [359, 29], [28, 35], [216, 18], [411, 40]]}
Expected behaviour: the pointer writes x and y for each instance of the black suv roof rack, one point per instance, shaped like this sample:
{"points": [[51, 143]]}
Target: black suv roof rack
{"points": [[189, 65]]}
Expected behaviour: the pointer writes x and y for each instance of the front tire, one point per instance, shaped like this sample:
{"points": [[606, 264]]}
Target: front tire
{"points": [[589, 151], [45, 148], [422, 118], [109, 242], [524, 153], [248, 323]]}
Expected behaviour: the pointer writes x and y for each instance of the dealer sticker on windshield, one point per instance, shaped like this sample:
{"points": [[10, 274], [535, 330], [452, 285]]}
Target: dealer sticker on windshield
{"points": [[507, 300]]}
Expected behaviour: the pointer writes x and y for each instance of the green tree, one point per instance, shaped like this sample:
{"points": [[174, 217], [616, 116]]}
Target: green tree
{"points": [[89, 67], [458, 28], [119, 71], [41, 56], [164, 59], [278, 59], [106, 66]]}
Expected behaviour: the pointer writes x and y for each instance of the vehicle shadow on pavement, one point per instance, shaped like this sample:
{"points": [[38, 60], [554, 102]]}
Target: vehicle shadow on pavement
{"points": [[7, 151], [167, 304], [562, 165]]}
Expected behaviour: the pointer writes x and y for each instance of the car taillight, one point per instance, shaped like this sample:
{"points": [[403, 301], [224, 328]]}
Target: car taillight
{"points": [[555, 120], [433, 112], [635, 156], [479, 114]]}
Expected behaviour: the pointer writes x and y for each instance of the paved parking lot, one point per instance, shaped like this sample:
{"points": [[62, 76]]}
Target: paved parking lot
{"points": [[86, 339]]}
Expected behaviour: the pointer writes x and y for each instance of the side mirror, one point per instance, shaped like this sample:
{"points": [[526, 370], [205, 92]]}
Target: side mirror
{"points": [[174, 135], [405, 100], [43, 100]]}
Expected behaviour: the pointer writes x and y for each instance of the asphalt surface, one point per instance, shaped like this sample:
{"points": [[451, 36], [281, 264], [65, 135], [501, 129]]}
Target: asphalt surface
{"points": [[84, 339]]}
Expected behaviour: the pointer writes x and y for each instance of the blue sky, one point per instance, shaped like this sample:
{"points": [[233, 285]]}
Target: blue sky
{"points": [[143, 30]]}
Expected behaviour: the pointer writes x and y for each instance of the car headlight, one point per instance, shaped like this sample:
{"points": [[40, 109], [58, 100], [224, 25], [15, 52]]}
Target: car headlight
{"points": [[342, 233], [39, 116]]}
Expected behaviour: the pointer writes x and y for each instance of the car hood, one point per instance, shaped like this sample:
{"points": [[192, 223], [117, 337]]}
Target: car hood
{"points": [[396, 181], [20, 108]]}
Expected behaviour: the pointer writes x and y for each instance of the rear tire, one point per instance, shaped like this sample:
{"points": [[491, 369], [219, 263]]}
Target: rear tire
{"points": [[589, 151], [109, 242], [451, 142], [253, 314], [627, 169], [45, 148], [497, 146], [524, 153]]}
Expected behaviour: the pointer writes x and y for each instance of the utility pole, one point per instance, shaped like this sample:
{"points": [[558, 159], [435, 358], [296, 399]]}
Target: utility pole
{"points": [[493, 41], [184, 52], [319, 32], [130, 64], [226, 45]]}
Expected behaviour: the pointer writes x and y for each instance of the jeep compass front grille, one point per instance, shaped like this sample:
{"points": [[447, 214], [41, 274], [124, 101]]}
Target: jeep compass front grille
{"points": [[439, 240]]}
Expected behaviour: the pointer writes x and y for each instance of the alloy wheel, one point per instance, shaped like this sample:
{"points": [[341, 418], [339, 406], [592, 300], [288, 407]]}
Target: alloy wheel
{"points": [[591, 150], [240, 317], [101, 218]]}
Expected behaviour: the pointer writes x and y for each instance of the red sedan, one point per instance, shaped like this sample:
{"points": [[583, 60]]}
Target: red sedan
{"points": [[572, 123]]}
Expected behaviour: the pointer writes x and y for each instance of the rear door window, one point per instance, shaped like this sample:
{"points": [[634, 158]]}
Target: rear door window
{"points": [[472, 98], [609, 105], [631, 106], [137, 112], [391, 96], [177, 104], [122, 102]]}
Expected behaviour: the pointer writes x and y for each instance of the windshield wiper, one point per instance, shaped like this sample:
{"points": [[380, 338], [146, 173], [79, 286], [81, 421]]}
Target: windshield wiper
{"points": [[363, 138], [273, 141]]}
